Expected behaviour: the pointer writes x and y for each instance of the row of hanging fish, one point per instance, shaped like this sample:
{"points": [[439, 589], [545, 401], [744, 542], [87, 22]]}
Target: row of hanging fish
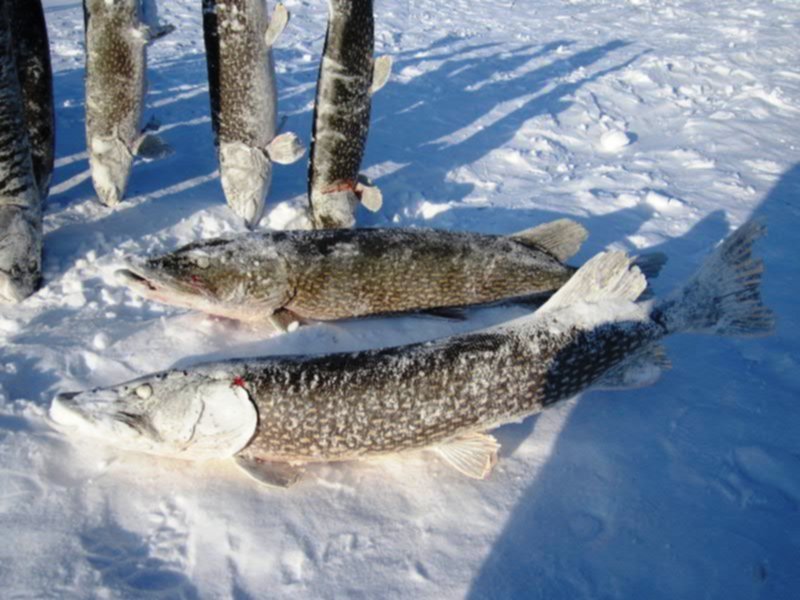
{"points": [[27, 144], [239, 37]]}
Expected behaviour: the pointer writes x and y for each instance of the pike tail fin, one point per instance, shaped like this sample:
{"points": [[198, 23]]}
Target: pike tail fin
{"points": [[723, 297]]}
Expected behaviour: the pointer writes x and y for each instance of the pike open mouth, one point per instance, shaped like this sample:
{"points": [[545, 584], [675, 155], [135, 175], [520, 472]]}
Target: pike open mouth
{"points": [[132, 279]]}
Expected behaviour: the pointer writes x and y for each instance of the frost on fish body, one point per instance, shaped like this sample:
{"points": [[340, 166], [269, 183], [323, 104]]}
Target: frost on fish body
{"points": [[440, 395], [117, 34], [32, 52], [336, 274], [20, 200], [342, 114], [241, 73]]}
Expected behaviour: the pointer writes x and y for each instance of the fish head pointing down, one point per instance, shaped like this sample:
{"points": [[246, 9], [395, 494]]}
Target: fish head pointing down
{"points": [[245, 280], [175, 414]]}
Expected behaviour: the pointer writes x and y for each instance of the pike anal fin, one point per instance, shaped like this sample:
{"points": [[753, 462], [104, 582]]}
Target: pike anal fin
{"points": [[275, 474], [474, 454]]}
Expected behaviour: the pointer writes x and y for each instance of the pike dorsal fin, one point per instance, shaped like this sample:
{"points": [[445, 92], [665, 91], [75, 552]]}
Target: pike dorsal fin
{"points": [[606, 277], [473, 454], [278, 22], [380, 73], [562, 238], [285, 149], [275, 474]]}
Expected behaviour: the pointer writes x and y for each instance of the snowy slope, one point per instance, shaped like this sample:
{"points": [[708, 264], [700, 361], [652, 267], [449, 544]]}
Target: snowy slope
{"points": [[658, 124]]}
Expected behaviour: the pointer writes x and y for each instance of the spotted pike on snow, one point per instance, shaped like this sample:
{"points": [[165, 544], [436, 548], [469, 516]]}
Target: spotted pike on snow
{"points": [[348, 77], [283, 277], [239, 36], [32, 51], [117, 33], [277, 415], [20, 199]]}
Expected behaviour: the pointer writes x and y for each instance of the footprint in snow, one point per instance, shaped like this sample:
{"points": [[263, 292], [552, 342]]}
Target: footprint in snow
{"points": [[126, 565], [17, 489]]}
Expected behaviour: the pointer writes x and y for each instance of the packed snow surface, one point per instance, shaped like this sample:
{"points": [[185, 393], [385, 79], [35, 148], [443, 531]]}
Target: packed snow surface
{"points": [[657, 124]]}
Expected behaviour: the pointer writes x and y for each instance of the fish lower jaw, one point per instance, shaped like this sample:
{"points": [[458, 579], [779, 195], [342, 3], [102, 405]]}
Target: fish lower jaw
{"points": [[20, 255], [245, 174], [110, 163]]}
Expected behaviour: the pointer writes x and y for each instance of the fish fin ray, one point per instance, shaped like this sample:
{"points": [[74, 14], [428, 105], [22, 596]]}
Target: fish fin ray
{"points": [[272, 473], [640, 370], [370, 195], [606, 277], [562, 238], [723, 297], [474, 454], [277, 23], [151, 147], [381, 71], [285, 149]]}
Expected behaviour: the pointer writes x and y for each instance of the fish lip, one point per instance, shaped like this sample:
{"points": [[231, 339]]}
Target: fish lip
{"points": [[64, 411], [132, 279]]}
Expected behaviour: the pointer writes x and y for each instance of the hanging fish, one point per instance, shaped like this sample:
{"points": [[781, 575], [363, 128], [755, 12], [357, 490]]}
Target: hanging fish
{"points": [[348, 77], [241, 73]]}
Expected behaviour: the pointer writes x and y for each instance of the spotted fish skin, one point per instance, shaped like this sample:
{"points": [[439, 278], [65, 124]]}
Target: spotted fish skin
{"points": [[116, 40], [337, 274], [32, 50], [342, 407], [341, 113], [243, 90], [20, 199]]}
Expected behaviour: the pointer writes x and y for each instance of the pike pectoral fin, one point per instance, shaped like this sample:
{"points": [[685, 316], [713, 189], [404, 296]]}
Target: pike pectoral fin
{"points": [[151, 147], [474, 454], [370, 195], [275, 474], [285, 149], [284, 320], [280, 17], [380, 73], [562, 238]]}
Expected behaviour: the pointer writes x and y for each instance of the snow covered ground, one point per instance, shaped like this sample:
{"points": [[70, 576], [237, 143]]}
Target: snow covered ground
{"points": [[659, 124]]}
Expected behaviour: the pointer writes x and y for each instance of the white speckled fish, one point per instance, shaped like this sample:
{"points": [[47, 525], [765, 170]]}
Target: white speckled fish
{"points": [[348, 77], [241, 74], [277, 415], [117, 33]]}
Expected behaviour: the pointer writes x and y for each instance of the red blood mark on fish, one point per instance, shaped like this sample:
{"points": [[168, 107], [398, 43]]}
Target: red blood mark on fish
{"points": [[238, 381]]}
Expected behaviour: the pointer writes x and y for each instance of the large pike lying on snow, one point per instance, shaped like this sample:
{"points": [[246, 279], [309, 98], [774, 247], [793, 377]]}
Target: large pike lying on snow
{"points": [[241, 78], [20, 199], [335, 274], [117, 33], [276, 415]]}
